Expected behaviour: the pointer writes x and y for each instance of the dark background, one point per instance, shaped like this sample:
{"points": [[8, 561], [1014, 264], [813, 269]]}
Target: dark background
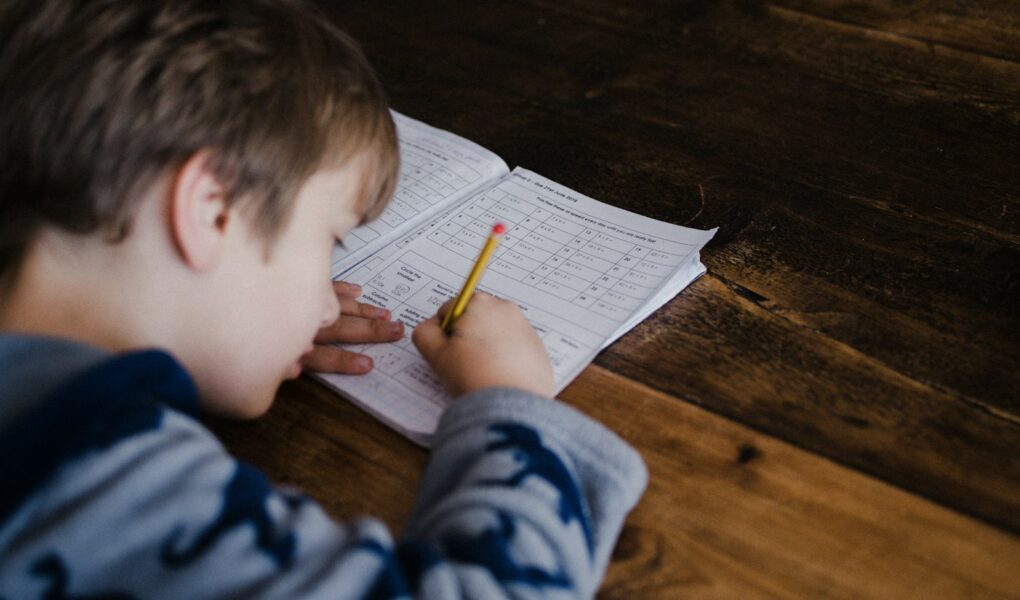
{"points": [[860, 160]]}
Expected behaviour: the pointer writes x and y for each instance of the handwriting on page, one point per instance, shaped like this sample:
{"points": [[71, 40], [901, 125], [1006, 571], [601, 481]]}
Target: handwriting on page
{"points": [[576, 276]]}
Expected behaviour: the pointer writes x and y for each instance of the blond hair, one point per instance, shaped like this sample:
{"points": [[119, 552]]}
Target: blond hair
{"points": [[98, 99]]}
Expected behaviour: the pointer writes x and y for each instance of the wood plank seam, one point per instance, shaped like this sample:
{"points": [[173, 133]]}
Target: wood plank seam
{"points": [[760, 302], [927, 45], [930, 44]]}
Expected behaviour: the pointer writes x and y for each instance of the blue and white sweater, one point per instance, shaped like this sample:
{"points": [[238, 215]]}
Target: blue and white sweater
{"points": [[109, 488]]}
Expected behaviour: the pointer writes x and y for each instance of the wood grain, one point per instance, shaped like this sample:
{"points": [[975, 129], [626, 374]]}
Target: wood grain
{"points": [[860, 161], [989, 28], [729, 512], [834, 410]]}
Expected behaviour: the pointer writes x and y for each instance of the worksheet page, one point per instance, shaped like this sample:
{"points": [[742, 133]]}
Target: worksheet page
{"points": [[436, 169], [582, 271]]}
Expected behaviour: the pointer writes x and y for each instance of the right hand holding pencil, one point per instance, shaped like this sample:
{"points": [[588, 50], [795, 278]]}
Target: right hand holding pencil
{"points": [[491, 344]]}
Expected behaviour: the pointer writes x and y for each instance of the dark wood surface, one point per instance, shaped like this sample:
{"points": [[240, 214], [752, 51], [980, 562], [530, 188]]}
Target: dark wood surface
{"points": [[857, 336]]}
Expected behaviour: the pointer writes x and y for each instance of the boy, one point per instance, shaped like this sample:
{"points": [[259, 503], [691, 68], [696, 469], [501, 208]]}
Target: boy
{"points": [[173, 175]]}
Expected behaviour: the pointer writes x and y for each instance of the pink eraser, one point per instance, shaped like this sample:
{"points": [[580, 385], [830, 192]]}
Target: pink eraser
{"points": [[498, 229]]}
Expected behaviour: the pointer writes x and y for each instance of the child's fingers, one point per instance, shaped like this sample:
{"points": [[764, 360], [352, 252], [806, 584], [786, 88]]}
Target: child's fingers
{"points": [[331, 359], [429, 337], [351, 307], [352, 313], [348, 290], [445, 308], [351, 329]]}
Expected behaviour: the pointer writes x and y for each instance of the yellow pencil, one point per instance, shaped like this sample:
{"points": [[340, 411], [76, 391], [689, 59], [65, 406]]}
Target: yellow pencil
{"points": [[476, 273]]}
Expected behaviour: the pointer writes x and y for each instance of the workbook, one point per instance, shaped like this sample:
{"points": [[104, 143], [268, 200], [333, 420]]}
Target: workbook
{"points": [[583, 272]]}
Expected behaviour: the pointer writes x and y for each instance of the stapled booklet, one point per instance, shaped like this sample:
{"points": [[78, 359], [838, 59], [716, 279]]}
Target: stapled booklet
{"points": [[583, 272]]}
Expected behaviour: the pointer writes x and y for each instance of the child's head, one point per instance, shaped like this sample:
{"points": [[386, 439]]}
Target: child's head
{"points": [[255, 113]]}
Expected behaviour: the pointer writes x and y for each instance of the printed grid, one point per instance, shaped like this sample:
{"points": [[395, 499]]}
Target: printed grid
{"points": [[606, 274], [422, 184], [413, 296]]}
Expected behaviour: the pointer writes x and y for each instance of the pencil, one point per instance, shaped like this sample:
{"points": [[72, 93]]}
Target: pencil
{"points": [[476, 273]]}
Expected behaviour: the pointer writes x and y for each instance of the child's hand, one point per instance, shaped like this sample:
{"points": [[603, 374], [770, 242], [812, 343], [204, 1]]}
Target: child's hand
{"points": [[491, 344], [358, 323]]}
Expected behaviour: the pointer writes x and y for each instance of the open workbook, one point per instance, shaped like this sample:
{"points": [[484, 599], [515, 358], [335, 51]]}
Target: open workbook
{"points": [[583, 272]]}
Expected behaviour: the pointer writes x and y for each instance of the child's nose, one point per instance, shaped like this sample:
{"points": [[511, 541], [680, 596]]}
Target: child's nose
{"points": [[332, 309]]}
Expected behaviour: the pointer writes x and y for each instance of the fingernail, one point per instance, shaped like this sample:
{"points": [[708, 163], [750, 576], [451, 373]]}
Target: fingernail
{"points": [[363, 363], [395, 327], [380, 313]]}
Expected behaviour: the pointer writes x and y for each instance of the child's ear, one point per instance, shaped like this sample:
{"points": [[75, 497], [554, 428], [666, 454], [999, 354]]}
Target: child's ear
{"points": [[198, 213]]}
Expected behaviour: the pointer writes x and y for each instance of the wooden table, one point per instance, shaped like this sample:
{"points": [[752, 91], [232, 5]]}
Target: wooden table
{"points": [[834, 410]]}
